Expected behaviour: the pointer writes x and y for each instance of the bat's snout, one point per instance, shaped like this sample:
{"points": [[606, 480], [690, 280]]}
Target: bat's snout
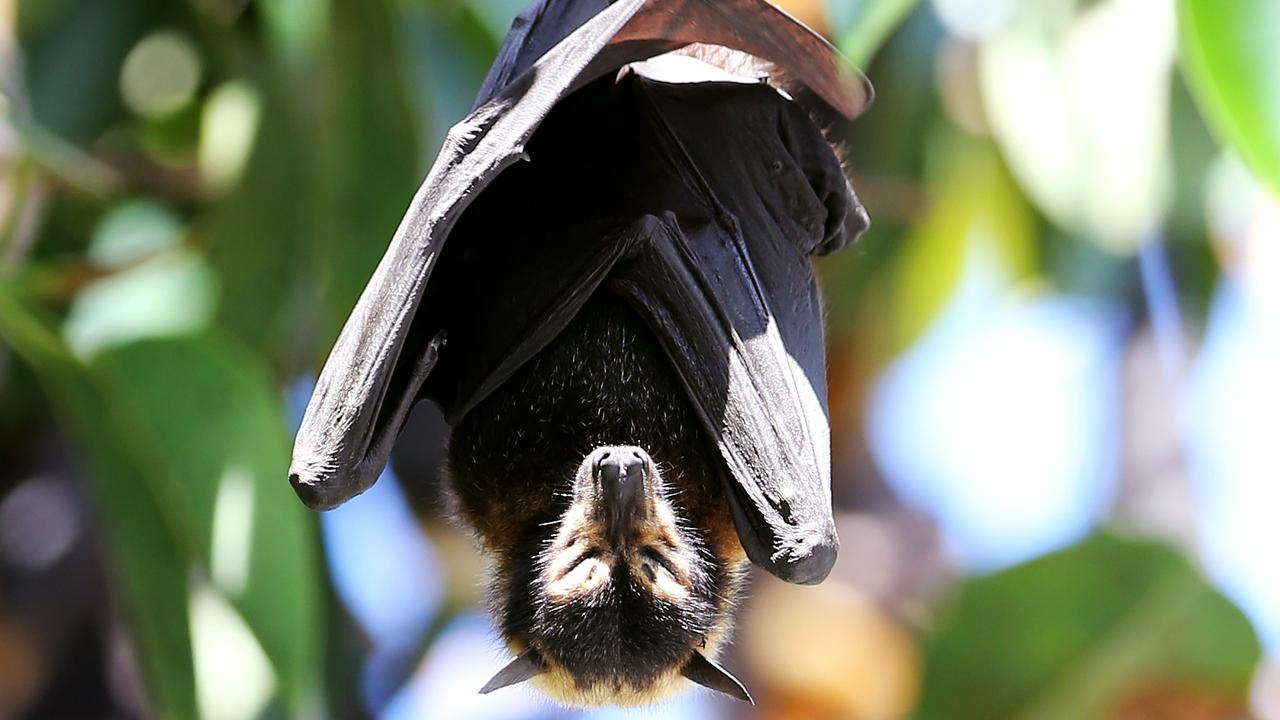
{"points": [[623, 478]]}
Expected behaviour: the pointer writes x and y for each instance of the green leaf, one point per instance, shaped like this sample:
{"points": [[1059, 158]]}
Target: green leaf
{"points": [[862, 26], [172, 294], [147, 550], [206, 409], [1230, 54], [295, 25], [373, 163], [1072, 634], [262, 235], [72, 55]]}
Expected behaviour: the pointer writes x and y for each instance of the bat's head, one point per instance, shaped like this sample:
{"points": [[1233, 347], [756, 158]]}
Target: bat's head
{"points": [[627, 603]]}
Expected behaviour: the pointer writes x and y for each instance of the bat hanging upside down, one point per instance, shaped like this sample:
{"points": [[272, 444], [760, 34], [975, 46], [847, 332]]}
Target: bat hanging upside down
{"points": [[623, 330]]}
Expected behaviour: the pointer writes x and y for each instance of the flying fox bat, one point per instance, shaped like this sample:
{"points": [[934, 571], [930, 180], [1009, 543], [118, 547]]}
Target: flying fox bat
{"points": [[605, 283]]}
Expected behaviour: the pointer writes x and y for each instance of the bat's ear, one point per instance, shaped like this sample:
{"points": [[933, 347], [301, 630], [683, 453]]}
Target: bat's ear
{"points": [[525, 667], [713, 677], [847, 218], [855, 222]]}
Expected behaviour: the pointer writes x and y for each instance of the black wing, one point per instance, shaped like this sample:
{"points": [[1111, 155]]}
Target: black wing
{"points": [[630, 185]]}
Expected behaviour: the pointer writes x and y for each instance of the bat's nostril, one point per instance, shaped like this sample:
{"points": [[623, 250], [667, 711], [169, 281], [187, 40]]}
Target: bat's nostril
{"points": [[609, 471], [637, 457], [635, 473]]}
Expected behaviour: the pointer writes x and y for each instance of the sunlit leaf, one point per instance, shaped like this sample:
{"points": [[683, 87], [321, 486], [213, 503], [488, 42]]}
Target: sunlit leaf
{"points": [[133, 231], [1079, 105], [167, 295], [1230, 53], [228, 125], [160, 74], [206, 410], [146, 547], [234, 678], [1080, 632]]}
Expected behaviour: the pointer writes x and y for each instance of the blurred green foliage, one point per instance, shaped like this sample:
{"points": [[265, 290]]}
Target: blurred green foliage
{"points": [[149, 555], [859, 27], [1127, 613], [1224, 48], [180, 243]]}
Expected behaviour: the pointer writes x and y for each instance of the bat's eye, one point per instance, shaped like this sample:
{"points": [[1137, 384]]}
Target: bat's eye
{"points": [[661, 560], [665, 574], [590, 554], [576, 574]]}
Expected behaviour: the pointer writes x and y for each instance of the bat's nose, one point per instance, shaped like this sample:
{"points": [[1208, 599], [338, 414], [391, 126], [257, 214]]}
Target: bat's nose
{"points": [[622, 474]]}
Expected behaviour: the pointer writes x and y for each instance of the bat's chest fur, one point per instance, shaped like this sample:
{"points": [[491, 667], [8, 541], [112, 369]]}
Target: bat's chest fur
{"points": [[603, 381]]}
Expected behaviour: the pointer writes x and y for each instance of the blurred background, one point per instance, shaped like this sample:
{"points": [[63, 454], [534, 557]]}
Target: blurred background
{"points": [[1054, 360]]}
